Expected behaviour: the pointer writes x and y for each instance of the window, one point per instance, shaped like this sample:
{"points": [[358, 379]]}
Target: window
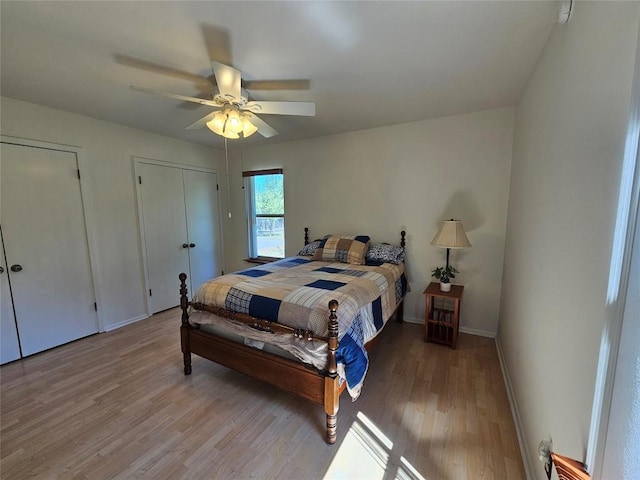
{"points": [[264, 197]]}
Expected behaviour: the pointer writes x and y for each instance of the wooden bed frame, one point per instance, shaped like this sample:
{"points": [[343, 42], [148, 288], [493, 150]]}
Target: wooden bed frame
{"points": [[320, 387]]}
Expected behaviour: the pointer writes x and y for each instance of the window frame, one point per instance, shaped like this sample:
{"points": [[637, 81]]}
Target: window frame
{"points": [[249, 190]]}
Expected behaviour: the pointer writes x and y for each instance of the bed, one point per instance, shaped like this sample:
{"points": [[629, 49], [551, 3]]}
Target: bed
{"points": [[304, 323]]}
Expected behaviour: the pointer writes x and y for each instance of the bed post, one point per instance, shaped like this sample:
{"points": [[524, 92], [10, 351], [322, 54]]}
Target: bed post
{"points": [[400, 309], [331, 385], [185, 327], [400, 312]]}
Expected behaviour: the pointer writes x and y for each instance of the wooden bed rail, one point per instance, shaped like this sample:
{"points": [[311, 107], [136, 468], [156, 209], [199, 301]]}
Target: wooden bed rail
{"points": [[263, 325]]}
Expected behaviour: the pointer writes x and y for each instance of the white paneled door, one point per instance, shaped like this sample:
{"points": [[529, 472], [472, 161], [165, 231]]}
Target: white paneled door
{"points": [[201, 204], [45, 241], [9, 347], [165, 238], [180, 229]]}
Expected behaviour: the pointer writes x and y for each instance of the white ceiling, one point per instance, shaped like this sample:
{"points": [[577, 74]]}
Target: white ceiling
{"points": [[368, 64]]}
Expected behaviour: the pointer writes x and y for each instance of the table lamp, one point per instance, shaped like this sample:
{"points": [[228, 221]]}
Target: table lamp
{"points": [[451, 235]]}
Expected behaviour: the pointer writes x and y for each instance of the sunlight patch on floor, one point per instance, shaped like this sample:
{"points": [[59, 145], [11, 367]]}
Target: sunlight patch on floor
{"points": [[367, 453]]}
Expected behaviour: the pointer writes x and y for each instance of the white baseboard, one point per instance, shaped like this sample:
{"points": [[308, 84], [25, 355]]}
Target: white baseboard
{"points": [[515, 413], [419, 321], [129, 321], [475, 331]]}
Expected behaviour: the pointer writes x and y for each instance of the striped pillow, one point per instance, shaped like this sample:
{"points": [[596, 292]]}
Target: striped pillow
{"points": [[351, 250]]}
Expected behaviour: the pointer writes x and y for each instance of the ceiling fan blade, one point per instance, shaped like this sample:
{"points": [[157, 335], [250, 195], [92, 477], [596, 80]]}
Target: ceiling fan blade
{"points": [[201, 123], [276, 84], [307, 109], [264, 128], [228, 80], [218, 43], [201, 101], [202, 83]]}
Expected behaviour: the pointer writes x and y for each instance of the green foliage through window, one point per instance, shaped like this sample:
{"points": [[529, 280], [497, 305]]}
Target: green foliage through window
{"points": [[269, 194]]}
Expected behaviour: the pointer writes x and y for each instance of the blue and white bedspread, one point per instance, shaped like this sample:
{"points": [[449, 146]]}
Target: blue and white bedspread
{"points": [[296, 292]]}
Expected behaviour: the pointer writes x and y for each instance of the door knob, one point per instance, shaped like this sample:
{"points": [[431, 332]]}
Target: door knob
{"points": [[1, 269], [192, 245], [184, 245], [16, 268]]}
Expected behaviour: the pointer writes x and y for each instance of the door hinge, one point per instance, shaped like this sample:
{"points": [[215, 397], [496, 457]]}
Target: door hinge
{"points": [[139, 179], [95, 306], [150, 293], [78, 174], [217, 187]]}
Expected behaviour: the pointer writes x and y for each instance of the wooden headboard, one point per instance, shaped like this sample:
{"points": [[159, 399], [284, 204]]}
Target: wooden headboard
{"points": [[402, 237]]}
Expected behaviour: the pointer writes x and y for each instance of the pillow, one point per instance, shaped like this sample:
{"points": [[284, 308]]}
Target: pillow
{"points": [[310, 248], [380, 253], [351, 250]]}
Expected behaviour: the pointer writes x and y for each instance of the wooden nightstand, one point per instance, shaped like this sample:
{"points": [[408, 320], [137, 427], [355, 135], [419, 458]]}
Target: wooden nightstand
{"points": [[442, 314]]}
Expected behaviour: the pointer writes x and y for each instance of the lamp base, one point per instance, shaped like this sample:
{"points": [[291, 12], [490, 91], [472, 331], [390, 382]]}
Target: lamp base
{"points": [[445, 287]]}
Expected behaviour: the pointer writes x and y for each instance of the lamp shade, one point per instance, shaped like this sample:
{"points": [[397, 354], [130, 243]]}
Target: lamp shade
{"points": [[451, 235], [234, 123], [248, 128], [216, 125]]}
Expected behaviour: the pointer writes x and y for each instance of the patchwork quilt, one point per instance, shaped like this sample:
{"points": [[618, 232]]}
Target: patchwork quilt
{"points": [[296, 292]]}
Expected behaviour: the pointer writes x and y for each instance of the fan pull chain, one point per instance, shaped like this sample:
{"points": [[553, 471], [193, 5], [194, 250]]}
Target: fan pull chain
{"points": [[226, 157]]}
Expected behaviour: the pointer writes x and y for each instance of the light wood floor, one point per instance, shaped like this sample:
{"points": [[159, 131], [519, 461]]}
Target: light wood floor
{"points": [[111, 407]]}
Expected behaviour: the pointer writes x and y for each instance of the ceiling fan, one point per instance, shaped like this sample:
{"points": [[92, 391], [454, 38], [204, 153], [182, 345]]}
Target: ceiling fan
{"points": [[234, 114]]}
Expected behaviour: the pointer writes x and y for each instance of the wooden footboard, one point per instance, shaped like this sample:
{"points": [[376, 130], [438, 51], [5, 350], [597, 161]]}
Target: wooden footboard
{"points": [[318, 387]]}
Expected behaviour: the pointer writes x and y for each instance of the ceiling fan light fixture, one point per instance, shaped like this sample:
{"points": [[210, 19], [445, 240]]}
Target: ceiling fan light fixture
{"points": [[234, 122], [248, 128], [216, 124], [230, 123], [221, 123], [230, 134]]}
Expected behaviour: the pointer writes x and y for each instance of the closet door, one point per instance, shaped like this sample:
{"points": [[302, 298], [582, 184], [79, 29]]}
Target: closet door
{"points": [[9, 348], [46, 246], [201, 202], [165, 233], [180, 226]]}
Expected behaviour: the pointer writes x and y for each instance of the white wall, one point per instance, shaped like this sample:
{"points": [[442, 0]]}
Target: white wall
{"points": [[107, 151], [376, 181], [568, 150], [412, 176], [622, 447]]}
